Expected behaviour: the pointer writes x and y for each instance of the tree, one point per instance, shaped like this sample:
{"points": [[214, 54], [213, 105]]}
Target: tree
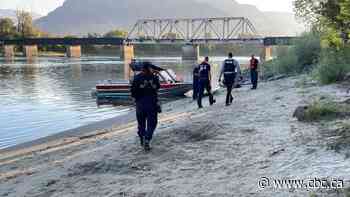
{"points": [[326, 15], [116, 33], [7, 28], [25, 25], [308, 10]]}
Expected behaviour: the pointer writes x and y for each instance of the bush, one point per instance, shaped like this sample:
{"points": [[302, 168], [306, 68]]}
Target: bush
{"points": [[308, 49], [333, 66], [296, 59], [318, 110], [285, 63]]}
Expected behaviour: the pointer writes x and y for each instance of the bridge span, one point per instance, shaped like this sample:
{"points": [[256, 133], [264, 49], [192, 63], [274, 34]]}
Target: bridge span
{"points": [[190, 32]]}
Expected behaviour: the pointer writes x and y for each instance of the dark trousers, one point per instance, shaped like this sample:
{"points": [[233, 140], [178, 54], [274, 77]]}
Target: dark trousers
{"points": [[229, 81], [254, 78], [195, 88], [204, 85], [229, 96], [147, 122]]}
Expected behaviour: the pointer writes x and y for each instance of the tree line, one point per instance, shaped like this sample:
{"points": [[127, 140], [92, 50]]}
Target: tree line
{"points": [[23, 27], [324, 51], [331, 18]]}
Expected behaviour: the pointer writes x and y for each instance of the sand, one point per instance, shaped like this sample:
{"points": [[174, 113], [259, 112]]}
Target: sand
{"points": [[215, 151]]}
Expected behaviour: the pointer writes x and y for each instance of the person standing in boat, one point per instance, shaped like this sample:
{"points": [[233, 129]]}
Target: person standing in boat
{"points": [[205, 82], [230, 69], [144, 90]]}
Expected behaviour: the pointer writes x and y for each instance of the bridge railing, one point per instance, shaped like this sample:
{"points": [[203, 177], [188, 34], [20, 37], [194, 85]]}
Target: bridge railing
{"points": [[63, 41]]}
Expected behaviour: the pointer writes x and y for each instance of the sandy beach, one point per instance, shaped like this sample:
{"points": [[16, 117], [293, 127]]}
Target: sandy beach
{"points": [[215, 151]]}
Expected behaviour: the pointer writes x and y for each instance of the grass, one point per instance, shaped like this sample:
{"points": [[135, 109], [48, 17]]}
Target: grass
{"points": [[347, 192], [321, 110], [342, 140]]}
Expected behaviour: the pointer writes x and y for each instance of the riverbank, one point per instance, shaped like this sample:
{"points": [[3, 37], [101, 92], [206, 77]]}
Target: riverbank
{"points": [[216, 151]]}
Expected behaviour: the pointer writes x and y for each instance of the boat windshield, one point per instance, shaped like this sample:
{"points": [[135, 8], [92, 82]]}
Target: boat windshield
{"points": [[167, 76]]}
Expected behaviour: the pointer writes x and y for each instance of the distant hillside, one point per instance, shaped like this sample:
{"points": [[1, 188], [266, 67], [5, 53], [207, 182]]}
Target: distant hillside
{"points": [[270, 23], [99, 16], [5, 13]]}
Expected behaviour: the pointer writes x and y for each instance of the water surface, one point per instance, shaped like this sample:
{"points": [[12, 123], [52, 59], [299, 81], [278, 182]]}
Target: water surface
{"points": [[51, 95]]}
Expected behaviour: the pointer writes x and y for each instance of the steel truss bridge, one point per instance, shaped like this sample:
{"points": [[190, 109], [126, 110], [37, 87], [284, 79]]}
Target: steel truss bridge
{"points": [[190, 30]]}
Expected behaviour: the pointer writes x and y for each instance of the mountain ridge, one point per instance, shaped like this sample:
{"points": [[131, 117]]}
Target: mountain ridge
{"points": [[80, 17]]}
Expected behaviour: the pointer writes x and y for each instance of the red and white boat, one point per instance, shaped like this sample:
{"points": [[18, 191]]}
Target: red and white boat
{"points": [[120, 90]]}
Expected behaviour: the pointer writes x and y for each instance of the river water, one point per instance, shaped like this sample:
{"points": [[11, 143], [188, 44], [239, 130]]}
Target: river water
{"points": [[51, 95]]}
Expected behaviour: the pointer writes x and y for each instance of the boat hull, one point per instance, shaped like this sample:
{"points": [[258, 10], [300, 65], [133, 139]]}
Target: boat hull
{"points": [[122, 91]]}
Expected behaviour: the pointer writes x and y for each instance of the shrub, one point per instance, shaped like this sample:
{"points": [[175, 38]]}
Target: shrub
{"points": [[296, 59], [333, 66], [308, 49], [318, 110]]}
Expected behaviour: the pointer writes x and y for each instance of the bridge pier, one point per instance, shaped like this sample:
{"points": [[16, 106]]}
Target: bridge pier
{"points": [[9, 51], [73, 51], [30, 51], [266, 54], [190, 52], [127, 52]]}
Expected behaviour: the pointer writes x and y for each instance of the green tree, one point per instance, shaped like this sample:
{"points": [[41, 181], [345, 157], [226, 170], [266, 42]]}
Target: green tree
{"points": [[7, 28], [25, 25], [308, 10], [116, 33], [329, 16]]}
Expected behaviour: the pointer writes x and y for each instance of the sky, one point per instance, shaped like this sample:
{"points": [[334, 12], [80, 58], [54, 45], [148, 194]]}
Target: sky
{"points": [[271, 5], [41, 7], [45, 6]]}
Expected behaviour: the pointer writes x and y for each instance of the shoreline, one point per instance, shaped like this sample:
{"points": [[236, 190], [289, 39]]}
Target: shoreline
{"points": [[94, 130], [75, 132]]}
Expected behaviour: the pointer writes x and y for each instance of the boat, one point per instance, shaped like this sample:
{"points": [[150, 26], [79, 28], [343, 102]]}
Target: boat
{"points": [[119, 91]]}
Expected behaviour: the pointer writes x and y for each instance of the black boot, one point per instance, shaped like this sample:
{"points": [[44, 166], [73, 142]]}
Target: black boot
{"points": [[212, 101], [142, 140], [147, 146]]}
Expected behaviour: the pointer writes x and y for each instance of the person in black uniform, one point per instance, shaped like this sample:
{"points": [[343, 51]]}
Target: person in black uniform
{"points": [[195, 82], [144, 89], [205, 82], [229, 69]]}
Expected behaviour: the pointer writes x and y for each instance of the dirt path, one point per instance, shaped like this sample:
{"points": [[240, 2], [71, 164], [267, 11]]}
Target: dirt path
{"points": [[217, 151]]}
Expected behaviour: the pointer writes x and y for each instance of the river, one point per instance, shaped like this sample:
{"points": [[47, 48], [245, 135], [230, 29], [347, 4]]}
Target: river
{"points": [[51, 95]]}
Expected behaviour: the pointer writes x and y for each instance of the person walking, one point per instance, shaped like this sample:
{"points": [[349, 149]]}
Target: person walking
{"points": [[195, 82], [144, 90], [254, 63], [205, 82], [230, 69]]}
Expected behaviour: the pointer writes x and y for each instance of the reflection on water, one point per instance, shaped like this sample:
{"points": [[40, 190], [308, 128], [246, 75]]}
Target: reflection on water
{"points": [[51, 95]]}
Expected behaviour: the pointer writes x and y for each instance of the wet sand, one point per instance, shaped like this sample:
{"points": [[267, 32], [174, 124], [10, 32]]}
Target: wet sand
{"points": [[215, 151]]}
